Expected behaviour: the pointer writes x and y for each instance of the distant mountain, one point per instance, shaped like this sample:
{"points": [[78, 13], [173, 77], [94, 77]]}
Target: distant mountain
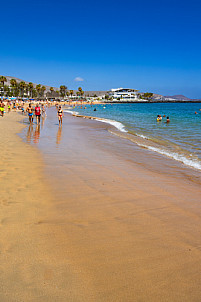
{"points": [[177, 97], [97, 93], [90, 93]]}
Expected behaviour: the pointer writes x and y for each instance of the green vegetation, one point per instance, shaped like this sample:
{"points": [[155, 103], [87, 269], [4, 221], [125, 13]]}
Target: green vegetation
{"points": [[80, 91], [63, 91], [21, 89], [148, 95], [22, 86], [30, 89], [2, 81]]}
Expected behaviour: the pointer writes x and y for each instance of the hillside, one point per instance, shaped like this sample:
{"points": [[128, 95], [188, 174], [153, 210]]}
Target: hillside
{"points": [[27, 82], [178, 97]]}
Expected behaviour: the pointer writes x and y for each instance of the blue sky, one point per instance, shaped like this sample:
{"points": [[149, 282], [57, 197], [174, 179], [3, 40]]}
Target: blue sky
{"points": [[147, 45]]}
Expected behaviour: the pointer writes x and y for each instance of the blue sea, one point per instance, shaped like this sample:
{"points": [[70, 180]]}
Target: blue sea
{"points": [[180, 139]]}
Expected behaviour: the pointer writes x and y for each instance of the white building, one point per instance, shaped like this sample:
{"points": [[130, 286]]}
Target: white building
{"points": [[125, 94]]}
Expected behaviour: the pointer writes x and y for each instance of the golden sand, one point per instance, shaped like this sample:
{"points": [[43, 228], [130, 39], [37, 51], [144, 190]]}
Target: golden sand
{"points": [[116, 231], [31, 268]]}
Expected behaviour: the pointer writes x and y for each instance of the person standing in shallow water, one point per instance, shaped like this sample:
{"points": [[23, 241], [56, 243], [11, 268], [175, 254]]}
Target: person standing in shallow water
{"points": [[30, 113], [37, 113], [60, 115]]}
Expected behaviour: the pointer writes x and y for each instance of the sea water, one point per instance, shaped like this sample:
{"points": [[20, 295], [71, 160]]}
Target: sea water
{"points": [[180, 139]]}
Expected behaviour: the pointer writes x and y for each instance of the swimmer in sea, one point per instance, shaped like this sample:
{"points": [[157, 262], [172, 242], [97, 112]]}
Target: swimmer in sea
{"points": [[159, 118], [30, 113], [168, 119], [60, 115]]}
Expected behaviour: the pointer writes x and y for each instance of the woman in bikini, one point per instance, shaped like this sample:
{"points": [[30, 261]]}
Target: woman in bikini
{"points": [[60, 115]]}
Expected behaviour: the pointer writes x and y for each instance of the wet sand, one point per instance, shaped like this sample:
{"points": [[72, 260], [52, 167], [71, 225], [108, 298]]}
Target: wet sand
{"points": [[31, 265], [101, 220]]}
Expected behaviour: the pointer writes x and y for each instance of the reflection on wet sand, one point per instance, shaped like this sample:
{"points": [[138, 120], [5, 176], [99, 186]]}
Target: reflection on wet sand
{"points": [[29, 133], [37, 134], [59, 132], [43, 121], [33, 135]]}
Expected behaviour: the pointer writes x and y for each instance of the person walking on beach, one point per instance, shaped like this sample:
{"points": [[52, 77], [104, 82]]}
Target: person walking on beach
{"points": [[30, 113], [9, 107], [2, 108], [22, 109], [60, 115], [43, 110], [37, 113]]}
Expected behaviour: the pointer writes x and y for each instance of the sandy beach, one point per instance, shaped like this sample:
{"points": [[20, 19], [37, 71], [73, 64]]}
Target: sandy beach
{"points": [[31, 268], [86, 217]]}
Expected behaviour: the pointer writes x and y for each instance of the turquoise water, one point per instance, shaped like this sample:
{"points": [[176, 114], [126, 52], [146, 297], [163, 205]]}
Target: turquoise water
{"points": [[180, 139]]}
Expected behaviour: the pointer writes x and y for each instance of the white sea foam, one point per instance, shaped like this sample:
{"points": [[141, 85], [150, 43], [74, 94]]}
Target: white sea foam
{"points": [[181, 158], [188, 162], [71, 112], [116, 124], [142, 136]]}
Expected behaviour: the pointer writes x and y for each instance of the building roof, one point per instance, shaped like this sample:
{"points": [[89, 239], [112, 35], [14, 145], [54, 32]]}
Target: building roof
{"points": [[123, 89]]}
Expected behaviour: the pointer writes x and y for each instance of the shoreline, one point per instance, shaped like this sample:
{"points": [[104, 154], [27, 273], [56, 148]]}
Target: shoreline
{"points": [[93, 221], [141, 140], [131, 221]]}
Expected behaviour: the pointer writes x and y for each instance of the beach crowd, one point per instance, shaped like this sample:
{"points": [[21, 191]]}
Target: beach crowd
{"points": [[33, 110]]}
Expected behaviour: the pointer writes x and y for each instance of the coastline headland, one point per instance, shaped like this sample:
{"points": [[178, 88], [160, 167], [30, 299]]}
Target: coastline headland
{"points": [[151, 102]]}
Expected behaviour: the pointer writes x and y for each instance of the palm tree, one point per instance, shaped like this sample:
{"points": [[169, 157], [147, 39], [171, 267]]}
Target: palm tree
{"points": [[30, 87], [34, 93], [3, 80], [52, 90], [38, 89], [27, 90], [71, 93], [17, 90], [63, 90], [43, 88], [7, 91], [13, 84], [22, 86], [80, 90]]}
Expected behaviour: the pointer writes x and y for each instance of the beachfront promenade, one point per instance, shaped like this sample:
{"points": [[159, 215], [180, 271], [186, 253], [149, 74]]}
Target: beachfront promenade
{"points": [[85, 217]]}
